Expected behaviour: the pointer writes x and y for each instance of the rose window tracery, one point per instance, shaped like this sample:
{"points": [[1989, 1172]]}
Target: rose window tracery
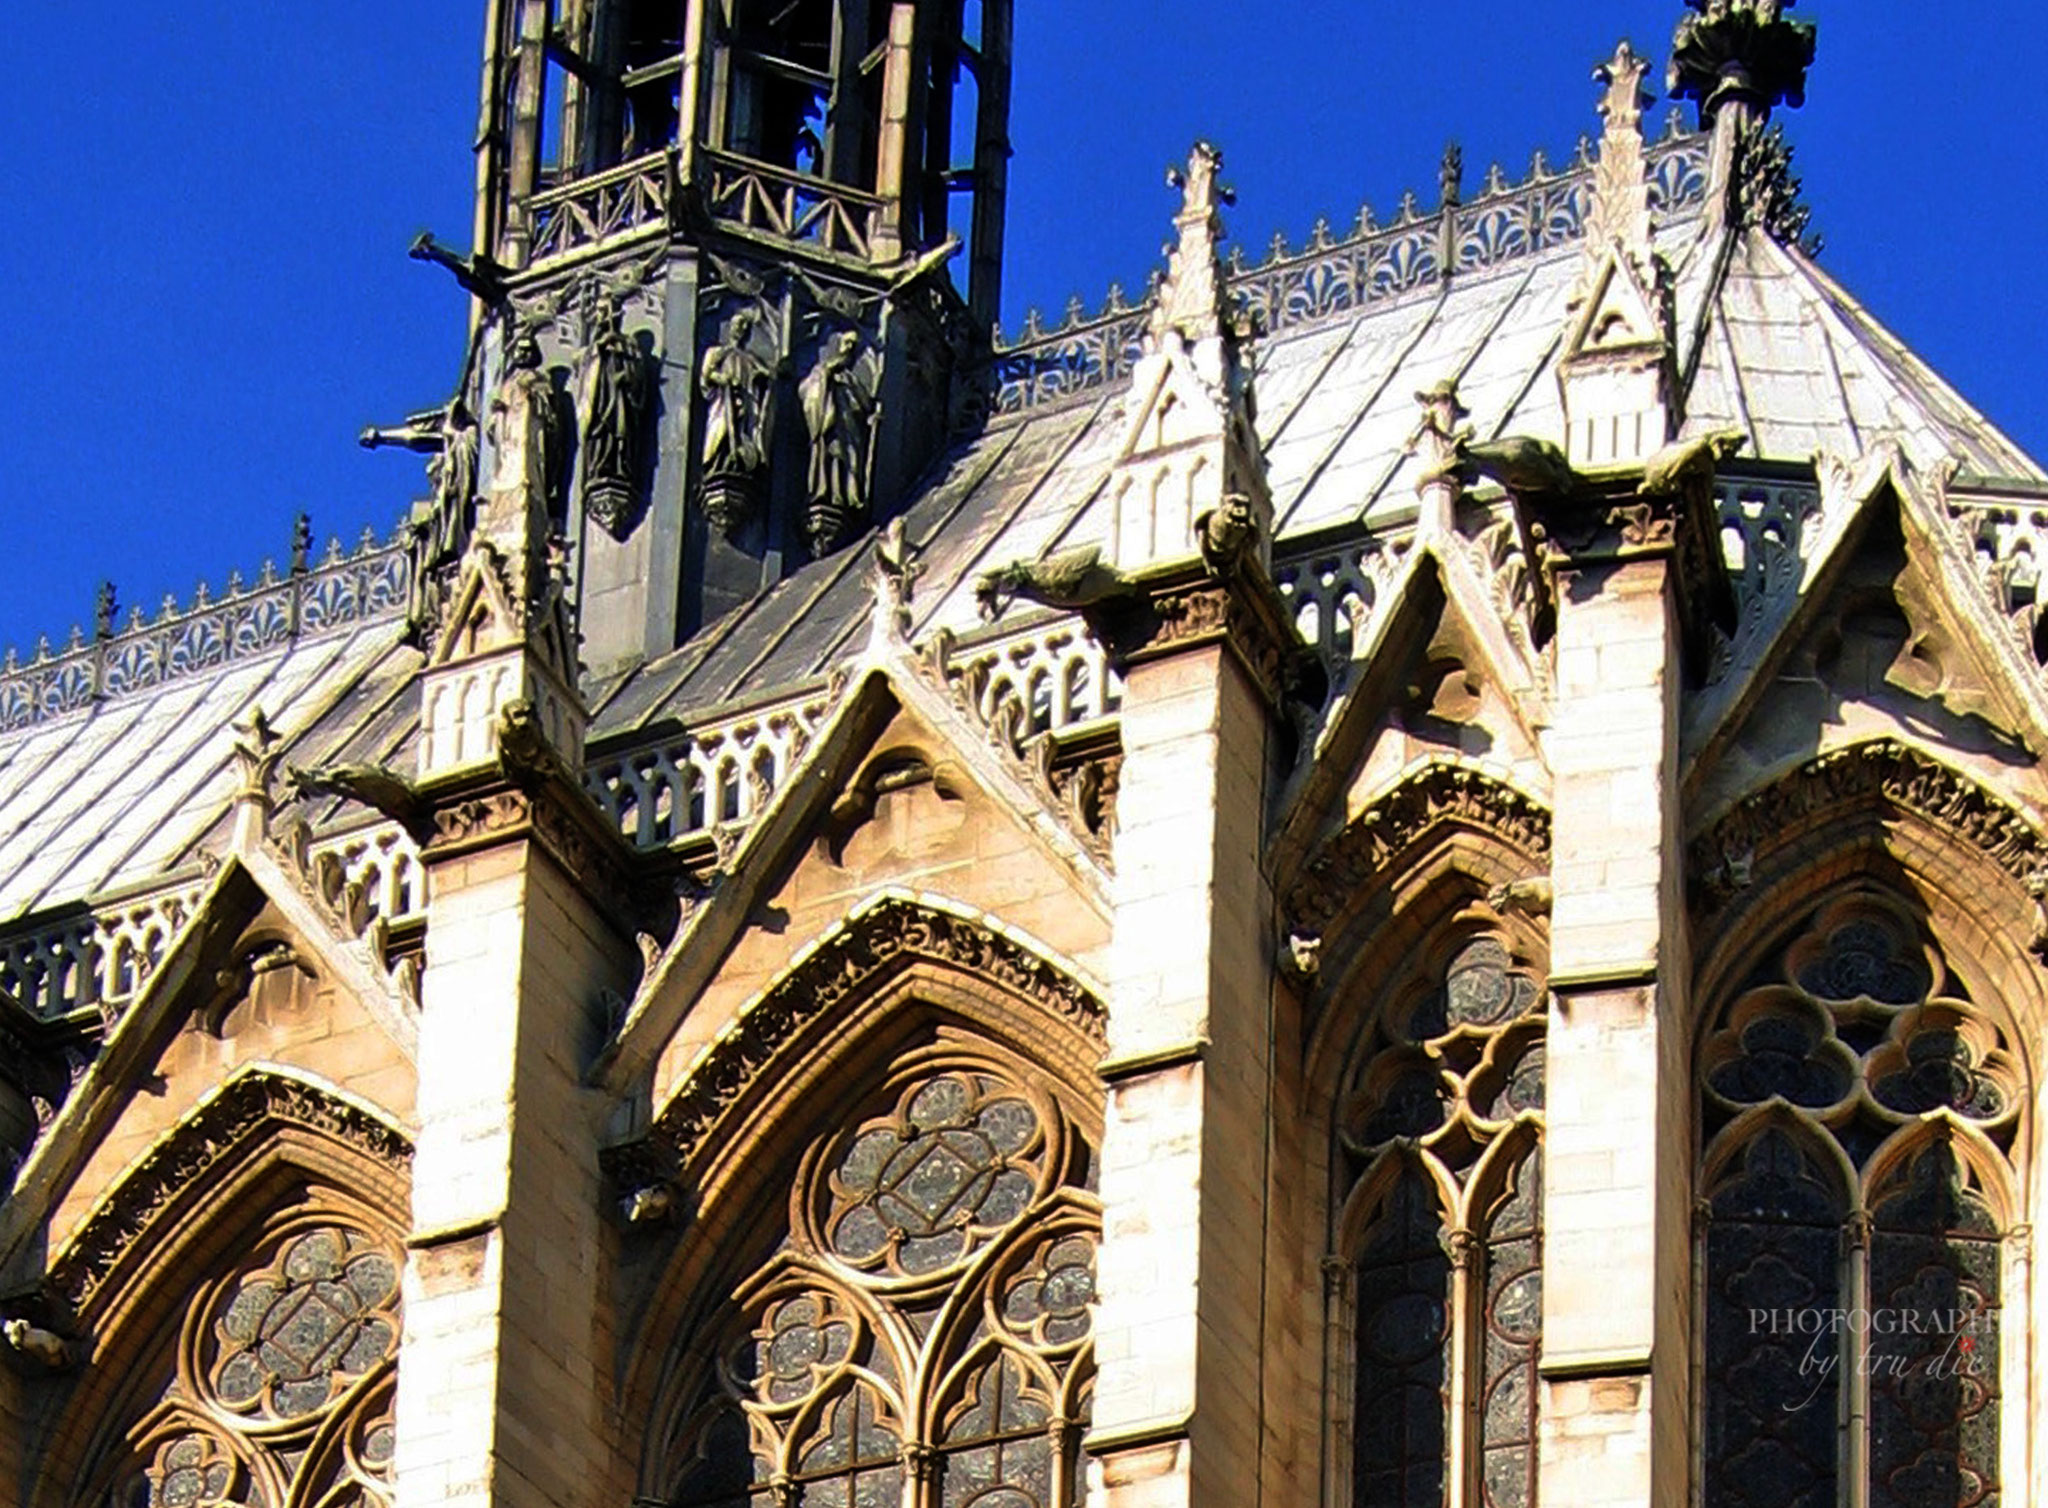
{"points": [[1440, 1139], [923, 1334], [1858, 1111], [282, 1386], [919, 1189]]}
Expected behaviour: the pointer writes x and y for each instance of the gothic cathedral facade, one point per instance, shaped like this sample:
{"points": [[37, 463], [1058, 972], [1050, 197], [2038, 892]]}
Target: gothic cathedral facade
{"points": [[1412, 875]]}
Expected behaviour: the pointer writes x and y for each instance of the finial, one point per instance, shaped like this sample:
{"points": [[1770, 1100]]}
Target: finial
{"points": [[302, 543], [1626, 99], [1438, 445], [1451, 176], [1191, 298], [891, 582], [1744, 51], [256, 747], [1620, 212], [103, 610]]}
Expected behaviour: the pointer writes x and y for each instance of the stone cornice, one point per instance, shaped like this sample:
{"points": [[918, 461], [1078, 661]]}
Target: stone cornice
{"points": [[556, 815], [1189, 608], [1721, 860], [218, 1130], [868, 949]]}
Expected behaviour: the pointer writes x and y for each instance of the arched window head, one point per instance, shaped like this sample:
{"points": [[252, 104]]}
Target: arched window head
{"points": [[1437, 1316], [1858, 1109], [923, 1334], [281, 1385]]}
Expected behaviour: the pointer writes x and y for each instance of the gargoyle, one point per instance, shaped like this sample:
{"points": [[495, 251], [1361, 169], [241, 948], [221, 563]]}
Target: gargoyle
{"points": [[1072, 579], [38, 1344], [652, 1205], [1225, 534], [373, 786], [478, 274], [1531, 896], [1686, 463], [525, 757], [1525, 465]]}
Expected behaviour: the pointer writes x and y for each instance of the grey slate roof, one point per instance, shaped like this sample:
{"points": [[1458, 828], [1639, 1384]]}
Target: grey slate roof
{"points": [[111, 792]]}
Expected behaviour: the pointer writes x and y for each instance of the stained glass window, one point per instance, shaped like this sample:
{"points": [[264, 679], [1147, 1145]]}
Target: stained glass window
{"points": [[923, 1335], [1845, 1236], [282, 1385], [1400, 1459], [1512, 1337], [1444, 1079]]}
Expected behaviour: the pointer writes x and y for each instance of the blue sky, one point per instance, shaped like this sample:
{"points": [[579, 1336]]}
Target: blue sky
{"points": [[212, 201]]}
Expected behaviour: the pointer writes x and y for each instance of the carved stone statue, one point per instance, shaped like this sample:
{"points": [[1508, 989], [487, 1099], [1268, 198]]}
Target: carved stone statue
{"points": [[839, 412], [439, 525], [526, 430], [737, 377], [612, 400]]}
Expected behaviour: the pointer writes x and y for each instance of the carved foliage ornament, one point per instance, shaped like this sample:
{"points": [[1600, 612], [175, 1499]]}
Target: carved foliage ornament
{"points": [[1881, 771], [1371, 844], [870, 949], [219, 1130]]}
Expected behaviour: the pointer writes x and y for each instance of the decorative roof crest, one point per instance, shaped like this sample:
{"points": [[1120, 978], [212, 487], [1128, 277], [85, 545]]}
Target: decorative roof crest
{"points": [[1190, 300], [1740, 50]]}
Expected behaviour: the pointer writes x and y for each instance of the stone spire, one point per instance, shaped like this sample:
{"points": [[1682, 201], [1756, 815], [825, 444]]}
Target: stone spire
{"points": [[1190, 301], [1616, 368], [1190, 480]]}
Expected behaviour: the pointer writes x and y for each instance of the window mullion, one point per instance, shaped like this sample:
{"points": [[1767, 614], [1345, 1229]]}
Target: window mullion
{"points": [[1468, 1273], [1855, 1359]]}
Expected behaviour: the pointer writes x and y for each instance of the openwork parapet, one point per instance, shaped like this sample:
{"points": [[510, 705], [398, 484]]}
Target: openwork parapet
{"points": [[342, 590], [1334, 275]]}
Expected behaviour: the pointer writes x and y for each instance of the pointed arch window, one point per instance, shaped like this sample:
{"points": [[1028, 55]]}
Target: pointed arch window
{"points": [[282, 1385], [923, 1336], [1436, 1285], [1858, 1112]]}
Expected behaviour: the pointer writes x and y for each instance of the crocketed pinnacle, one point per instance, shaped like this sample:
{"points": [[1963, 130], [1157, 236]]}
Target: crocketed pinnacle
{"points": [[1190, 301]]}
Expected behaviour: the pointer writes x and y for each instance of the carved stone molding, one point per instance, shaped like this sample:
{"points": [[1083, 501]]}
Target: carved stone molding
{"points": [[865, 953], [1178, 613], [218, 1130], [1721, 860], [1374, 842], [580, 841]]}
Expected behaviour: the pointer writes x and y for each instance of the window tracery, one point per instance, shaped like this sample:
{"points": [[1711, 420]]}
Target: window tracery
{"points": [[1859, 1113], [1439, 1283], [923, 1335], [281, 1392]]}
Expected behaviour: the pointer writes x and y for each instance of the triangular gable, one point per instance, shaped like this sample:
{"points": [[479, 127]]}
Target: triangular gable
{"points": [[886, 690], [199, 973], [1894, 628], [1618, 314], [1438, 656]]}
